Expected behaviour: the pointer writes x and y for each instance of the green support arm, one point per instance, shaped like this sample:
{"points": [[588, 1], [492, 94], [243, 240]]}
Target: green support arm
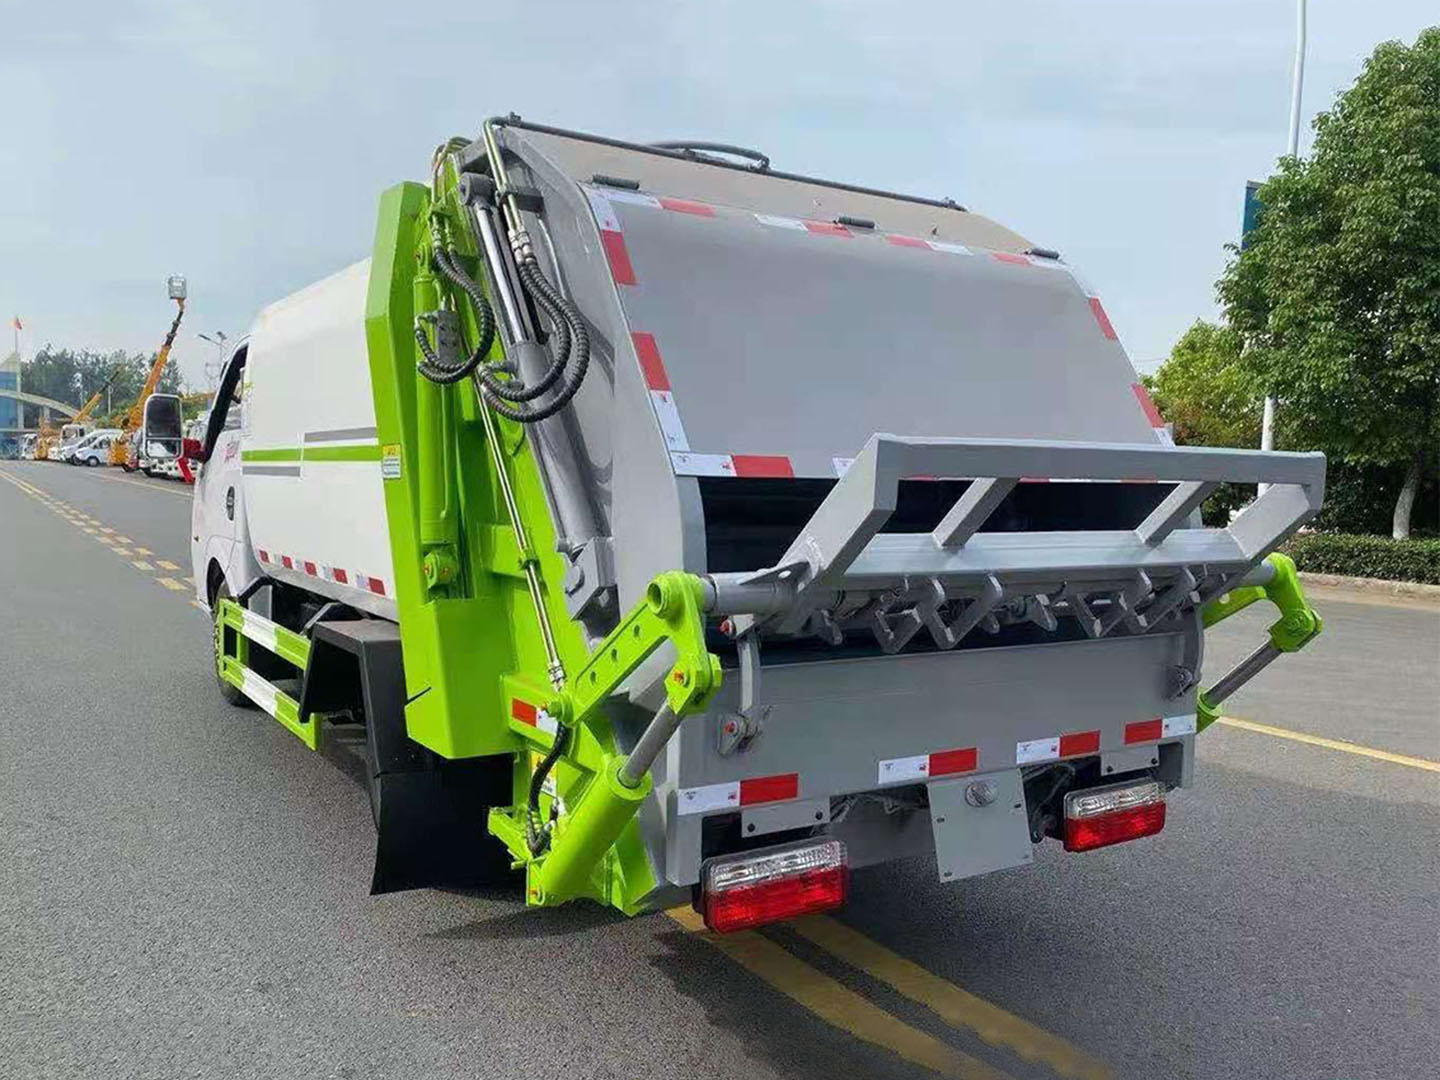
{"points": [[671, 611], [1298, 625]]}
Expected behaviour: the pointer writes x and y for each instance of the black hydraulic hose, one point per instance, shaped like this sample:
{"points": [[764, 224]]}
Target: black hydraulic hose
{"points": [[445, 260], [545, 295], [436, 370], [537, 839]]}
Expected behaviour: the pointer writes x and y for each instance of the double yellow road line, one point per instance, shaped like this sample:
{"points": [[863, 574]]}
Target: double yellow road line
{"points": [[844, 1008], [122, 546]]}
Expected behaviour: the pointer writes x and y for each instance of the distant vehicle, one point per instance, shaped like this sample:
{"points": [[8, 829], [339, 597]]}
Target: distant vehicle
{"points": [[27, 445], [94, 448], [161, 436]]}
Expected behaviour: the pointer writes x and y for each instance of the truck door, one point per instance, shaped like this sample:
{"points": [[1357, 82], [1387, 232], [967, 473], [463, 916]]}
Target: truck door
{"points": [[218, 534]]}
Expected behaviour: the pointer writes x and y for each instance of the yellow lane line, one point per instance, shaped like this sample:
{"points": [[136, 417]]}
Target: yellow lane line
{"points": [[955, 1006], [124, 552], [171, 584], [836, 1003], [124, 539], [141, 564], [1330, 744], [148, 487], [143, 551], [166, 564]]}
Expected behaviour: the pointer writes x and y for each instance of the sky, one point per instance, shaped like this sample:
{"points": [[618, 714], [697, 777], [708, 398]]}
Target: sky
{"points": [[245, 144]]}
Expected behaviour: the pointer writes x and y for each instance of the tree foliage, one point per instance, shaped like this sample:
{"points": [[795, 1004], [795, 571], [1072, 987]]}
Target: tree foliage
{"points": [[1205, 391], [72, 376], [1336, 299]]}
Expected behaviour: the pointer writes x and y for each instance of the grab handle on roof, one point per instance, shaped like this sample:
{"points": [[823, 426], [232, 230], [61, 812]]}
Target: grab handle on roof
{"points": [[701, 150]]}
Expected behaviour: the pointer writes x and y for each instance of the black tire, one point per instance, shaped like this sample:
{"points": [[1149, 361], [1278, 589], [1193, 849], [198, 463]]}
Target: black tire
{"points": [[232, 694]]}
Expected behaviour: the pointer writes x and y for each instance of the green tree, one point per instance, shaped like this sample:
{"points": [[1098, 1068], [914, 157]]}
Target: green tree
{"points": [[1205, 390], [1209, 397], [1336, 299]]}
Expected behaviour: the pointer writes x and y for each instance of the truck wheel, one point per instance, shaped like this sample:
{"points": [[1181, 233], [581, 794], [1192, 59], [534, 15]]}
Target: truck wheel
{"points": [[232, 694]]}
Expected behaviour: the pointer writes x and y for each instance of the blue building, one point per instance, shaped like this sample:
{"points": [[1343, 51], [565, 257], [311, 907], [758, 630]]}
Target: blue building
{"points": [[10, 413]]}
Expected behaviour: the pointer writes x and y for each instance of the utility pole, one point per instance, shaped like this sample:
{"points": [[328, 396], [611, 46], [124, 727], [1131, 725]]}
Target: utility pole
{"points": [[212, 373], [1297, 83]]}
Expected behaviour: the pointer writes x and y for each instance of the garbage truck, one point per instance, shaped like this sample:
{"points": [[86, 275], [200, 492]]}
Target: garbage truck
{"points": [[666, 527]]}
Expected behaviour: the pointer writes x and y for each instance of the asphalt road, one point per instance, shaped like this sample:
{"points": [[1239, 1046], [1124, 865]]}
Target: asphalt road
{"points": [[183, 887]]}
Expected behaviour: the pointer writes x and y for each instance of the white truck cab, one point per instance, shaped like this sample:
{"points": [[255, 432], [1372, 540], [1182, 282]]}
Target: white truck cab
{"points": [[220, 550]]}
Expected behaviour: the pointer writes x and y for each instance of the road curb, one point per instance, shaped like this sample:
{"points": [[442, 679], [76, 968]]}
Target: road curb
{"points": [[1411, 590]]}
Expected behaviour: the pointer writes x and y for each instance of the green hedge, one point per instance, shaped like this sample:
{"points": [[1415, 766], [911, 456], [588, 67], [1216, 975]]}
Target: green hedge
{"points": [[1367, 556]]}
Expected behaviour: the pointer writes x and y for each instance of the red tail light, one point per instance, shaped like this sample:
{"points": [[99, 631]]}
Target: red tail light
{"points": [[760, 887], [1099, 817]]}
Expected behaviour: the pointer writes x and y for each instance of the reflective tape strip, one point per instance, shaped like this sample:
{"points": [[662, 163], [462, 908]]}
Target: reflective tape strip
{"points": [[618, 256], [258, 629], [1098, 310], [768, 789], [906, 241], [904, 769], [925, 766], [535, 717], [258, 690], [1144, 731], [1009, 257], [264, 555], [669, 417], [686, 206], [949, 249], [772, 465], [1069, 745], [826, 228], [286, 562], [951, 762], [687, 464], [699, 800], [310, 569], [1147, 403], [1079, 742], [611, 238], [601, 208], [341, 576], [633, 198], [780, 222], [751, 792], [1175, 726], [651, 366], [1037, 750]]}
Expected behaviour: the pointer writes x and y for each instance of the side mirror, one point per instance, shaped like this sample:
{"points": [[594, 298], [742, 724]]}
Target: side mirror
{"points": [[194, 450]]}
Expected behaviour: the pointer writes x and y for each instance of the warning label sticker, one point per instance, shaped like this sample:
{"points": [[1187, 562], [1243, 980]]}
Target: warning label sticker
{"points": [[390, 461]]}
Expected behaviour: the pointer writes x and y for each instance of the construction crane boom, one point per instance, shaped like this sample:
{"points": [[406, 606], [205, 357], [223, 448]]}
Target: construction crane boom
{"points": [[119, 447]]}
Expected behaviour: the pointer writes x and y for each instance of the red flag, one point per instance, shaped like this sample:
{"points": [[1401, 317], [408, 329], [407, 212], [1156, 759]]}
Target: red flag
{"points": [[15, 322]]}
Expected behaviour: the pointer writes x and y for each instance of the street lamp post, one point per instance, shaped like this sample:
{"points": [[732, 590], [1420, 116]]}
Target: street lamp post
{"points": [[219, 341], [1297, 83]]}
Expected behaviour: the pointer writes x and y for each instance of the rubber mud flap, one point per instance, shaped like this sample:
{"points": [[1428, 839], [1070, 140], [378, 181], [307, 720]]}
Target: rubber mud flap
{"points": [[431, 833]]}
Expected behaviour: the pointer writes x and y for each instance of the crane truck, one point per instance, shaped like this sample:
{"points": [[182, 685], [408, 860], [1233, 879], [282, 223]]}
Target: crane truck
{"points": [[123, 452], [48, 441], [669, 527]]}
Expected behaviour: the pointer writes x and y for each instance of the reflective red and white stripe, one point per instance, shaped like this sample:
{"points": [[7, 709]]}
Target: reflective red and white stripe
{"points": [[533, 716], [1160, 727], [752, 465], [1081, 743], [1152, 413], [929, 766], [1071, 744], [753, 792], [351, 578], [662, 396]]}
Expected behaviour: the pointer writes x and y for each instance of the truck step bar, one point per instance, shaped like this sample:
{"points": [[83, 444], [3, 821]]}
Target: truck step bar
{"points": [[232, 653]]}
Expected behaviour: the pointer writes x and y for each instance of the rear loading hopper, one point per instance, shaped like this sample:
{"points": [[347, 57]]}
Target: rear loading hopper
{"points": [[748, 527]]}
